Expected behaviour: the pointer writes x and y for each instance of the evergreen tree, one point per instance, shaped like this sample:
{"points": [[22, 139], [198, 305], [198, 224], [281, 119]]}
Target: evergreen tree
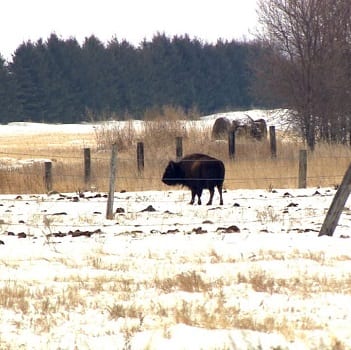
{"points": [[127, 87], [95, 66], [187, 68], [9, 109], [27, 69], [158, 57], [63, 80]]}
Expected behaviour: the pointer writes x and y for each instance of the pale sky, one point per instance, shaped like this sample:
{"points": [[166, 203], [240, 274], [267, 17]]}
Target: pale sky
{"points": [[133, 20]]}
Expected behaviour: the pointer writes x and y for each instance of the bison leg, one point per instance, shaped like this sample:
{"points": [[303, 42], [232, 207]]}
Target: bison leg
{"points": [[193, 194], [199, 193], [196, 192], [219, 187], [211, 195]]}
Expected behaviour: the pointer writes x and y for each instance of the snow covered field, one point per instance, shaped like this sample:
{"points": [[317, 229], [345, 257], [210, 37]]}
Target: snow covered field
{"points": [[251, 274]]}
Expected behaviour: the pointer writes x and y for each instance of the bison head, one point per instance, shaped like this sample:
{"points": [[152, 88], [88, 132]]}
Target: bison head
{"points": [[173, 174]]}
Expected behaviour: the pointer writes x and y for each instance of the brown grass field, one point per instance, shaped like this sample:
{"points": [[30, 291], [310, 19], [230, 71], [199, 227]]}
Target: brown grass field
{"points": [[253, 166]]}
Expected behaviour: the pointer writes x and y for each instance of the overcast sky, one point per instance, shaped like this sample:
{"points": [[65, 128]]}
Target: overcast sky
{"points": [[133, 20]]}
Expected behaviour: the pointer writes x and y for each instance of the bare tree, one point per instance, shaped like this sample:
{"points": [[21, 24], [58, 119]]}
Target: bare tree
{"points": [[305, 63]]}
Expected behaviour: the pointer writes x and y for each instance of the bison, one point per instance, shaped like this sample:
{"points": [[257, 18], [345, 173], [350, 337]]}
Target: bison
{"points": [[196, 171]]}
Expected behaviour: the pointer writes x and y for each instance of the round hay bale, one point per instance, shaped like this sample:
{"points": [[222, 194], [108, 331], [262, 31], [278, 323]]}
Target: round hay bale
{"points": [[221, 128]]}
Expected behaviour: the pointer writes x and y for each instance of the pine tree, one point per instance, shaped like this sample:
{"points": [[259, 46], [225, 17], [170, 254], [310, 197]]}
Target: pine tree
{"points": [[27, 69], [9, 109]]}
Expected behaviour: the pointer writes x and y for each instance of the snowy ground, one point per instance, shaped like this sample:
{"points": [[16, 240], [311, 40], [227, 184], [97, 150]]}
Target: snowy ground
{"points": [[252, 274]]}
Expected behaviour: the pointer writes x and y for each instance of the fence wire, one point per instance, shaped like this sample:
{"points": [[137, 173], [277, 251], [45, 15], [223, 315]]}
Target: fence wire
{"points": [[152, 163]]}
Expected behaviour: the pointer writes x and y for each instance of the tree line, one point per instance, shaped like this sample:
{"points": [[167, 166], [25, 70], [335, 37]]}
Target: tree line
{"points": [[60, 80]]}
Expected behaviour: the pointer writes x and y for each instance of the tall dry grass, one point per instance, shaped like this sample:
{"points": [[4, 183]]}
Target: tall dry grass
{"points": [[252, 167]]}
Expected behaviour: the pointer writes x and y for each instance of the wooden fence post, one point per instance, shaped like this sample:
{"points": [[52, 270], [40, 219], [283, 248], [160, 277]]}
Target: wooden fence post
{"points": [[231, 144], [179, 147], [338, 203], [302, 169], [111, 192], [48, 176], [87, 165], [273, 141], [140, 157]]}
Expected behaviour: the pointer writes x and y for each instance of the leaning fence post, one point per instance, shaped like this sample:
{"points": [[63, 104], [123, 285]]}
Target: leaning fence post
{"points": [[231, 144], [273, 141], [338, 203], [111, 192], [179, 147], [48, 176], [302, 169], [87, 165], [140, 157]]}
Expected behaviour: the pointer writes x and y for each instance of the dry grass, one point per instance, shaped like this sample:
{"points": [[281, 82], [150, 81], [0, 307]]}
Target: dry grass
{"points": [[14, 296], [253, 166]]}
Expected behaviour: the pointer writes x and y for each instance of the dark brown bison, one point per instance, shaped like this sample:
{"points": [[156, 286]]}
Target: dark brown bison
{"points": [[197, 172]]}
